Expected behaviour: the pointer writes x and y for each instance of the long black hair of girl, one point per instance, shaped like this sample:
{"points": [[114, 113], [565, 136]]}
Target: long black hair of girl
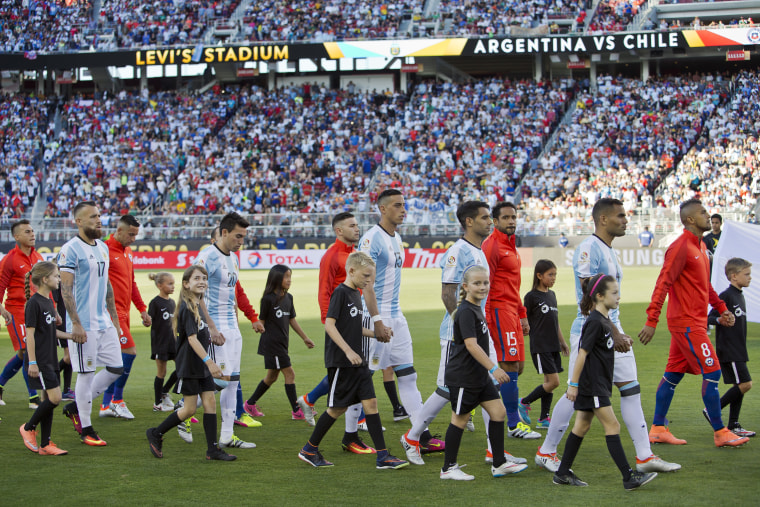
{"points": [[274, 281], [597, 284]]}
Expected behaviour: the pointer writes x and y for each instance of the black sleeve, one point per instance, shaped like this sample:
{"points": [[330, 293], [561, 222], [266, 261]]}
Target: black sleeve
{"points": [[188, 321], [292, 307], [31, 314], [153, 310], [468, 323], [592, 329], [336, 302], [265, 307], [712, 318]]}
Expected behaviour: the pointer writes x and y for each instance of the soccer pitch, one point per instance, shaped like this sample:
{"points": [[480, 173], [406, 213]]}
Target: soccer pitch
{"points": [[125, 473]]}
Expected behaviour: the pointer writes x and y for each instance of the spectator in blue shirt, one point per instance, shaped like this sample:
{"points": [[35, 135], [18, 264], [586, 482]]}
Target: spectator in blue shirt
{"points": [[281, 243], [563, 240], [646, 238]]}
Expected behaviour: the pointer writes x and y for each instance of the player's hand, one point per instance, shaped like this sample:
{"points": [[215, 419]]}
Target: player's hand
{"points": [[215, 371], [354, 357], [501, 376], [646, 334], [258, 326], [58, 319], [525, 326], [217, 338], [622, 342], [77, 333], [34, 371], [564, 349], [572, 393], [309, 343], [727, 319], [5, 313], [146, 320], [382, 332]]}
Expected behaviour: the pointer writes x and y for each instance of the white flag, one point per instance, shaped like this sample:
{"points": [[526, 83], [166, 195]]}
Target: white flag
{"points": [[739, 239]]}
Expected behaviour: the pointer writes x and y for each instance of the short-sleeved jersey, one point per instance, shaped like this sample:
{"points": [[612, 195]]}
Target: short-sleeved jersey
{"points": [[504, 263], [543, 319], [161, 312], [40, 315], [276, 313], [346, 309], [189, 364], [463, 370], [223, 273], [594, 256], [596, 340], [731, 342], [121, 273], [460, 256], [89, 265], [388, 253], [13, 269]]}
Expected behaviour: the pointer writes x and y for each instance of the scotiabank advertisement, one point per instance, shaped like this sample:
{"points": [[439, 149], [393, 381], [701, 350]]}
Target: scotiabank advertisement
{"points": [[163, 260]]}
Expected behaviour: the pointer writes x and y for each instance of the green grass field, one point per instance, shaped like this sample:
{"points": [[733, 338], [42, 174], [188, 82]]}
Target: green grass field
{"points": [[126, 473]]}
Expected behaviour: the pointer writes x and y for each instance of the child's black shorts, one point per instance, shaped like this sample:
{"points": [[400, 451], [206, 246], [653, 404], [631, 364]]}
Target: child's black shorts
{"points": [[349, 386], [547, 362], [589, 403], [48, 379], [464, 399], [735, 373], [276, 362], [194, 386]]}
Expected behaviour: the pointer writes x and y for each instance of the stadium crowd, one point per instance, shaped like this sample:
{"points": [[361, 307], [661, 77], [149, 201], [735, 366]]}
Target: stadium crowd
{"points": [[614, 15]]}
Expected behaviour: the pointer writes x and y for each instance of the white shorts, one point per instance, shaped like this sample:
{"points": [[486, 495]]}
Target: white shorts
{"points": [[227, 356], [397, 351], [625, 362], [445, 346], [102, 348]]}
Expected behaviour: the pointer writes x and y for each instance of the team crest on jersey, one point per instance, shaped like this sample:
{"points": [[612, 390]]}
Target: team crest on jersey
{"points": [[123, 340], [130, 257], [451, 261]]}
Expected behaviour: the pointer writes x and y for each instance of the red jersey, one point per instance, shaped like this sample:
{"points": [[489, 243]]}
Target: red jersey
{"points": [[244, 303], [121, 274], [685, 279], [332, 272], [13, 270], [504, 265]]}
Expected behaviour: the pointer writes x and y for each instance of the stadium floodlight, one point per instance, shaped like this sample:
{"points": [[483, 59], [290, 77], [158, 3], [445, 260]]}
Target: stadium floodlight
{"points": [[573, 58], [555, 58]]}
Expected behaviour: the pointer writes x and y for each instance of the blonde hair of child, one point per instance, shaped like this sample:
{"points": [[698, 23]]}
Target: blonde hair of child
{"points": [[159, 277], [466, 277], [736, 265], [188, 297], [359, 260], [39, 272]]}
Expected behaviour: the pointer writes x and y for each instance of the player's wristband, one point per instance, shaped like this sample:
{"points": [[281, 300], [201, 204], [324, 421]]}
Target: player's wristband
{"points": [[493, 369], [572, 384], [32, 362], [376, 318], [207, 358]]}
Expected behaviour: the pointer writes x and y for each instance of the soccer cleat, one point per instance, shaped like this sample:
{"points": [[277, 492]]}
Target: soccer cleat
{"points": [[121, 410], [412, 449], [357, 447], [435, 444], [70, 411], [34, 402], [236, 442], [362, 425], [638, 479], [69, 395], [93, 439], [314, 459], [741, 432], [568, 480], [308, 410], [655, 464], [400, 414], [247, 421], [725, 438], [455, 473], [662, 435], [390, 462], [522, 430], [30, 438], [158, 408], [194, 420], [298, 415], [548, 461], [155, 442], [507, 468], [522, 411], [107, 411], [543, 424], [470, 424], [185, 431], [1, 397], [252, 410], [167, 403], [509, 458], [52, 450], [217, 454]]}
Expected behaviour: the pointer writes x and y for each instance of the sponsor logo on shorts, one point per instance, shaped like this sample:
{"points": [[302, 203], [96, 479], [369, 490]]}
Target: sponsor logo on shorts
{"points": [[90, 361], [512, 351], [123, 340], [709, 361]]}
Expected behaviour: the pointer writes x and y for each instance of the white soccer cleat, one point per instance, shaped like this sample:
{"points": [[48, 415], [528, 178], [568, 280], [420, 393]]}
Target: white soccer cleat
{"points": [[507, 468], [656, 464], [236, 442], [455, 473], [308, 410], [107, 411], [413, 454], [185, 431], [166, 403], [508, 457], [523, 431], [121, 410], [548, 461]]}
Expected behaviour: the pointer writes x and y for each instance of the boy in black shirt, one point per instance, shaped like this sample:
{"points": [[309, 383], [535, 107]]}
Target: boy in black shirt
{"points": [[731, 343], [347, 370]]}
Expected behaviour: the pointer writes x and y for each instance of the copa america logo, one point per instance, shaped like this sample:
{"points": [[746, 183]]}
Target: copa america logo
{"points": [[753, 34]]}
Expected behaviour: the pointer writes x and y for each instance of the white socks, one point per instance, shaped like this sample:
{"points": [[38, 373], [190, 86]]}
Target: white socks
{"points": [[433, 405], [410, 396], [561, 415], [88, 387], [228, 403], [633, 417], [352, 418]]}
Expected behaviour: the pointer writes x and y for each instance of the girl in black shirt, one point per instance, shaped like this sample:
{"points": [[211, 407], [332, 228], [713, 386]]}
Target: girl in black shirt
{"points": [[163, 343], [41, 357], [590, 384], [195, 368], [546, 339], [278, 315], [468, 377]]}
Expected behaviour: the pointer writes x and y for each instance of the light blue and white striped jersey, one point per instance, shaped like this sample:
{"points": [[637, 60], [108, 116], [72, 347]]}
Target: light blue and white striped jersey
{"points": [[89, 265], [388, 253], [594, 256], [460, 256], [222, 277]]}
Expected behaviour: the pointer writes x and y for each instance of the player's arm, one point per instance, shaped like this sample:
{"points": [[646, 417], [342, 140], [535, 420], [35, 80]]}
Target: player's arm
{"points": [[382, 332], [245, 305], [217, 338], [215, 371], [111, 306], [5, 279], [297, 328], [477, 352], [580, 361], [672, 267], [449, 296], [727, 318], [31, 350], [67, 293], [137, 300], [336, 337], [326, 285]]}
